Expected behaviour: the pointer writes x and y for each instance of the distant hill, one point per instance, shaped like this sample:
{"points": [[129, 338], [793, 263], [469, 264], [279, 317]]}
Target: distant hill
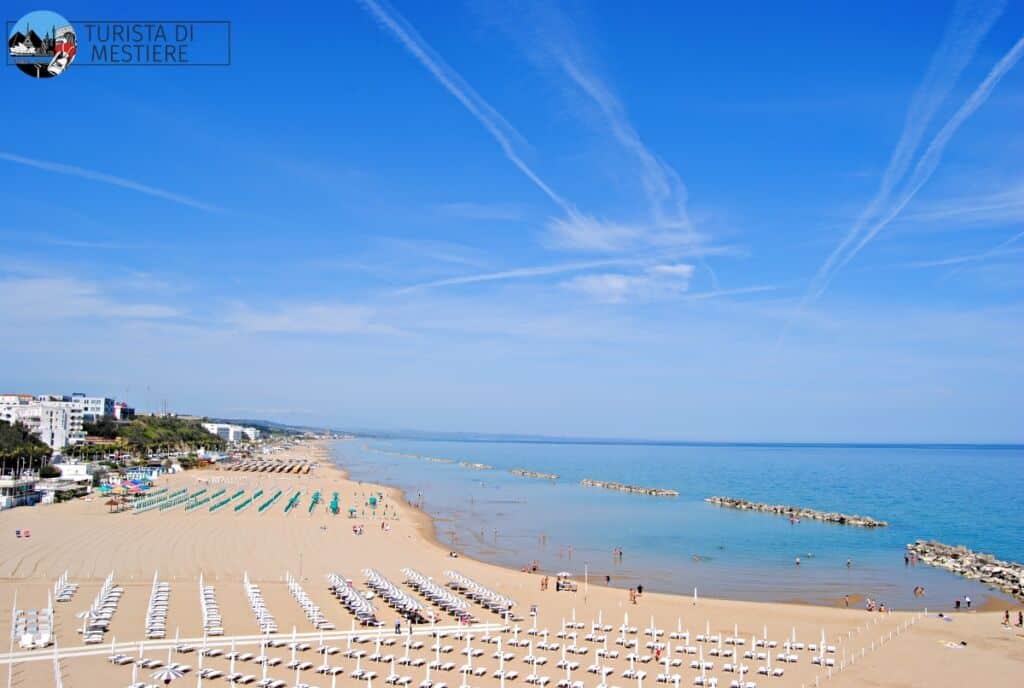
{"points": [[270, 427]]}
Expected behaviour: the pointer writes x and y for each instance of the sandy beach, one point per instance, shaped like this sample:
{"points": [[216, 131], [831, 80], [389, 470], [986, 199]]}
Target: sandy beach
{"points": [[82, 538]]}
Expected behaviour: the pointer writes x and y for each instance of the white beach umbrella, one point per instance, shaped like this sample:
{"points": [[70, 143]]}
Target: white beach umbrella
{"points": [[166, 675]]}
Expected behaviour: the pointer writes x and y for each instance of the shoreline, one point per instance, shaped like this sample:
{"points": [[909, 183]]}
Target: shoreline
{"points": [[303, 546], [991, 601]]}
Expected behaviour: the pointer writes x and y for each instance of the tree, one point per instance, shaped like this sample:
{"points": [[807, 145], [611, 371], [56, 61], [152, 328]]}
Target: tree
{"points": [[19, 448], [48, 470]]}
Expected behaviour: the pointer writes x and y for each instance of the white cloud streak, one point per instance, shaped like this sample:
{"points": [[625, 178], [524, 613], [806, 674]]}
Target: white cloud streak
{"points": [[931, 158], [322, 318], [968, 25], [515, 274], [38, 298], [492, 121], [110, 179]]}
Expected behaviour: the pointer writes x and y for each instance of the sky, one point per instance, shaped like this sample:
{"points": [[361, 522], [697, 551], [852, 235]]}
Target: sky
{"points": [[795, 222]]}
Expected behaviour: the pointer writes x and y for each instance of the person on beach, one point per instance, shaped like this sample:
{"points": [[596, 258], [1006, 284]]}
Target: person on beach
{"points": [[846, 601], [967, 601], [797, 561], [607, 580], [1006, 618], [398, 627], [1020, 619], [957, 603], [640, 590]]}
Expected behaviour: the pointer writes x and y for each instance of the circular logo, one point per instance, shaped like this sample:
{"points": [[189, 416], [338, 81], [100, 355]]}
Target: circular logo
{"points": [[42, 44]]}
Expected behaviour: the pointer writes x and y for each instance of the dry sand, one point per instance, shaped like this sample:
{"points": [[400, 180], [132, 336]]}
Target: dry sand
{"points": [[84, 539]]}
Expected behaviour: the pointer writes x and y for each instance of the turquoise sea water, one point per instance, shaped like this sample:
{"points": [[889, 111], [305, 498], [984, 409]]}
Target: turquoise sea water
{"points": [[960, 495]]}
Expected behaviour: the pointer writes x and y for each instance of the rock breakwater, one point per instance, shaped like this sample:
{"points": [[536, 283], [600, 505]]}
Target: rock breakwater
{"points": [[1006, 576], [633, 489], [533, 474], [798, 512]]}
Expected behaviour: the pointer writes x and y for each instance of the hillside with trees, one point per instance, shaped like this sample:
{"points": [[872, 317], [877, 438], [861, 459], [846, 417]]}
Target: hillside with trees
{"points": [[148, 434]]}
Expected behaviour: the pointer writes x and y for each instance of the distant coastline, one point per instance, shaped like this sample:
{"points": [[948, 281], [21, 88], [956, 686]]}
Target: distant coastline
{"points": [[471, 438]]}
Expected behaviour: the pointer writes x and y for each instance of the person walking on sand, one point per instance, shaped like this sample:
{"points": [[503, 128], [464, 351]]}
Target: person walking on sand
{"points": [[967, 601], [1006, 618]]}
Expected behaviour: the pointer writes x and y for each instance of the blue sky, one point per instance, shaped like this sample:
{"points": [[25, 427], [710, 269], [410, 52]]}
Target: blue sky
{"points": [[795, 223]]}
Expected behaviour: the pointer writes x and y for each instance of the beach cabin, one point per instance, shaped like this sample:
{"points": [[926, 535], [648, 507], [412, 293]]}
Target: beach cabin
{"points": [[17, 491]]}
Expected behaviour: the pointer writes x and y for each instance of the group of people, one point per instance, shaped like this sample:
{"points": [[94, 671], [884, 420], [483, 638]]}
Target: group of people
{"points": [[1020, 618], [635, 593], [966, 602], [872, 605]]}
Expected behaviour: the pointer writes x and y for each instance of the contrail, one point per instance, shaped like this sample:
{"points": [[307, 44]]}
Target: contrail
{"points": [[516, 273], [933, 155], [493, 122], [968, 25], [104, 178]]}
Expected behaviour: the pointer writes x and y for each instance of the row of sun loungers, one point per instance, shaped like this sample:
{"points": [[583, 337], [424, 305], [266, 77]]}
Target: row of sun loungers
{"points": [[352, 600], [478, 593], [438, 595], [156, 612], [155, 500], [310, 608], [63, 590], [33, 628], [263, 616], [213, 624], [271, 467], [102, 611], [396, 598]]}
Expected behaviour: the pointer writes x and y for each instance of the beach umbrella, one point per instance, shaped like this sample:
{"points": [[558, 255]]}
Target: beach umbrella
{"points": [[167, 674]]}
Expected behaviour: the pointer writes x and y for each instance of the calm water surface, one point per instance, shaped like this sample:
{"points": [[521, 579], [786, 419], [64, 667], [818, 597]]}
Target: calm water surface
{"points": [[959, 495]]}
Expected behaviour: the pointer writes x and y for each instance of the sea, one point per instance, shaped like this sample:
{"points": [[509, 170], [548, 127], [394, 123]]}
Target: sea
{"points": [[969, 495]]}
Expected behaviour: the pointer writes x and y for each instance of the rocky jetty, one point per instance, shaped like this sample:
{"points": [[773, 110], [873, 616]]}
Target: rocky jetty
{"points": [[634, 489], [1006, 576], [476, 466], [797, 512], [533, 474]]}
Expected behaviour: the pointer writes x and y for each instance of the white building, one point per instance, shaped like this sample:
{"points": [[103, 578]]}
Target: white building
{"points": [[95, 408], [17, 491], [232, 433], [56, 420]]}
